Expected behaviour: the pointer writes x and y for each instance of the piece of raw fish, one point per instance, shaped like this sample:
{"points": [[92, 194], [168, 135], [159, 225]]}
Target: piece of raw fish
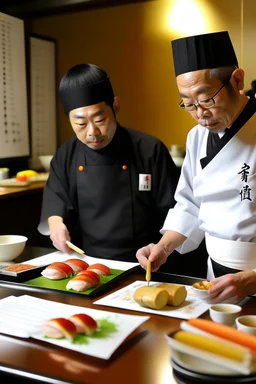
{"points": [[59, 328], [77, 264], [57, 270], [84, 323], [100, 269], [82, 282]]}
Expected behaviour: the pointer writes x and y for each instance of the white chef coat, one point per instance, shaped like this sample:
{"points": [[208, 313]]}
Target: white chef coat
{"points": [[220, 199]]}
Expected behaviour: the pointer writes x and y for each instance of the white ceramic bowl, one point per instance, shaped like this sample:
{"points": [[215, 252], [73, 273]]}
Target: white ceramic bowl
{"points": [[201, 294], [45, 161], [224, 313], [247, 324], [11, 246]]}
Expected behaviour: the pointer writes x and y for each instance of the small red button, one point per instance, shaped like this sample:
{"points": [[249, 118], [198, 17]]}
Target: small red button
{"points": [[80, 168], [124, 167]]}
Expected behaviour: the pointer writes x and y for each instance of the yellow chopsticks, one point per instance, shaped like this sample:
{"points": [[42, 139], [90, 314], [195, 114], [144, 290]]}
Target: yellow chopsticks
{"points": [[75, 248], [148, 272]]}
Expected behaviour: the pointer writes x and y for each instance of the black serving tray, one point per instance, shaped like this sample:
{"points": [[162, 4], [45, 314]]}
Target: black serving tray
{"points": [[22, 275], [187, 376], [22, 281]]}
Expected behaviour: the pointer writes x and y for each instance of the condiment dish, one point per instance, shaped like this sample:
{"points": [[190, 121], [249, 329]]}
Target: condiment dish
{"points": [[247, 324], [224, 313], [200, 290]]}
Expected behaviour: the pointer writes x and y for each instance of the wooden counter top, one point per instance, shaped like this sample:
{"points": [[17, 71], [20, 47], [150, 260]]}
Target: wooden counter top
{"points": [[144, 357], [33, 187]]}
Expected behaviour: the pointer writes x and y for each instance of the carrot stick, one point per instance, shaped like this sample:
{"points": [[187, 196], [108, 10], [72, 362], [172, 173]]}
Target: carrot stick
{"points": [[225, 332]]}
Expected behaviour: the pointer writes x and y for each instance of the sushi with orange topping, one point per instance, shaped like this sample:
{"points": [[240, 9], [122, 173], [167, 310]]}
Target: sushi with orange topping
{"points": [[77, 264], [84, 323], [83, 281], [57, 270], [100, 269], [59, 328]]}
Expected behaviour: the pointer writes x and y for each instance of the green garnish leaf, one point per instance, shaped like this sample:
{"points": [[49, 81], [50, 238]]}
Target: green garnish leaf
{"points": [[105, 328]]}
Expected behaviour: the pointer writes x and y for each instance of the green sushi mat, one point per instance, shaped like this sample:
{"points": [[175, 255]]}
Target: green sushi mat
{"points": [[60, 285]]}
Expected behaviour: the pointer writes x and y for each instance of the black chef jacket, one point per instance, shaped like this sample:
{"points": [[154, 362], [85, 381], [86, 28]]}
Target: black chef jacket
{"points": [[97, 193]]}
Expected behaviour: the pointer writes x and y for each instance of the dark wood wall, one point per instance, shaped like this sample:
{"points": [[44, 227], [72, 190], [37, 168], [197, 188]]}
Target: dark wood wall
{"points": [[20, 215]]}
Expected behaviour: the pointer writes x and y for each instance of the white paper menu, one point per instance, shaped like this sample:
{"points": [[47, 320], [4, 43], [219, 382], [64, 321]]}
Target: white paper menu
{"points": [[43, 98], [24, 316], [14, 132]]}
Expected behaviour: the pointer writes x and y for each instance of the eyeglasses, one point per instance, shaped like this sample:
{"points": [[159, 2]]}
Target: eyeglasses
{"points": [[206, 103]]}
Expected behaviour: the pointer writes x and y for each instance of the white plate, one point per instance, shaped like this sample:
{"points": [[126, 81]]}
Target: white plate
{"points": [[25, 315], [14, 183], [123, 298], [198, 365], [205, 362]]}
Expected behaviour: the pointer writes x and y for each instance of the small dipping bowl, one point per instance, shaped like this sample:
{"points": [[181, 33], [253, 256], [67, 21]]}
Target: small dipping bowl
{"points": [[247, 324], [202, 292], [225, 313]]}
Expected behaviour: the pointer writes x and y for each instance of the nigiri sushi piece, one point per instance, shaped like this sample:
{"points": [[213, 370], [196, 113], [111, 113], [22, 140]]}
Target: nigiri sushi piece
{"points": [[57, 270], [95, 276], [59, 328], [83, 281], [84, 323], [101, 269], [77, 264]]}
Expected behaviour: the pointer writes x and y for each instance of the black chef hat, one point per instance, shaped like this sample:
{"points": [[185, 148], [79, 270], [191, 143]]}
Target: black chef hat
{"points": [[211, 50], [79, 93]]}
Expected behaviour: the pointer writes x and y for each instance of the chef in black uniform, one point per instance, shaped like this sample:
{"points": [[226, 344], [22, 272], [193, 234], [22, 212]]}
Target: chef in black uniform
{"points": [[109, 188]]}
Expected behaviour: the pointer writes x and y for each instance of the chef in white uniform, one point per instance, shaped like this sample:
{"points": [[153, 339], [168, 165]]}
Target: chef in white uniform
{"points": [[216, 194]]}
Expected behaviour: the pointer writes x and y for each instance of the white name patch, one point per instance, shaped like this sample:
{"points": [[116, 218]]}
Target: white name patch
{"points": [[144, 182]]}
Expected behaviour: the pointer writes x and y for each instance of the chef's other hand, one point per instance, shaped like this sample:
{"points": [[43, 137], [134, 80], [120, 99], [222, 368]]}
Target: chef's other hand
{"points": [[156, 253], [233, 287], [59, 234]]}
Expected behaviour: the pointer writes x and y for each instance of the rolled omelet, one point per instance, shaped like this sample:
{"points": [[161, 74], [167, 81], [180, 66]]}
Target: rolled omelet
{"points": [[177, 293], [151, 297]]}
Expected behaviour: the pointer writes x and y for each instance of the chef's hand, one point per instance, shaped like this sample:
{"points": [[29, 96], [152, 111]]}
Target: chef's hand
{"points": [[233, 287], [59, 234], [156, 253]]}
